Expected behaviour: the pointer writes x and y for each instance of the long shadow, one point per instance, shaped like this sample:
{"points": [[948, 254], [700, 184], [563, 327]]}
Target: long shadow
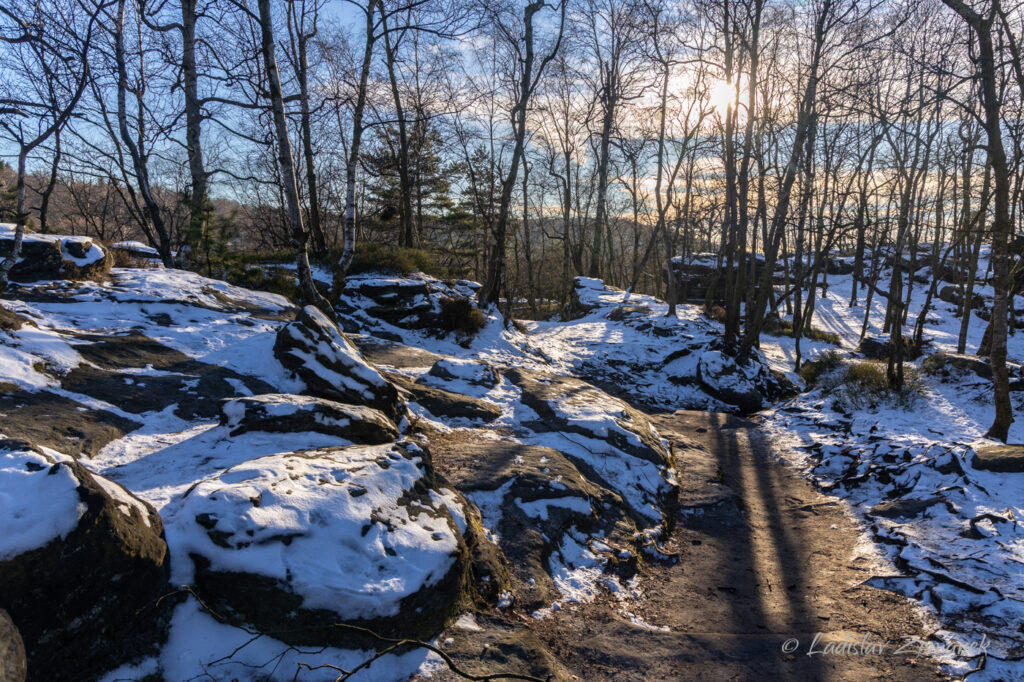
{"points": [[748, 566]]}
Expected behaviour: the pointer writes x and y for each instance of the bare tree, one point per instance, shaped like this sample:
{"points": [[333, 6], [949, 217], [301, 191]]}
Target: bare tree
{"points": [[44, 73]]}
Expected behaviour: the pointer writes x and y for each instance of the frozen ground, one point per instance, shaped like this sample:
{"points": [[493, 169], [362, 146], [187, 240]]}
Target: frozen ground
{"points": [[950, 531], [962, 555]]}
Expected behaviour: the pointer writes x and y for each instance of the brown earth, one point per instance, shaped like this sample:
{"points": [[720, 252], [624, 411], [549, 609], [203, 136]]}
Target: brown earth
{"points": [[760, 558]]}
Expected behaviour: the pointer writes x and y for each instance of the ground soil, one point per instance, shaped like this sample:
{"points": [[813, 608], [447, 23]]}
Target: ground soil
{"points": [[759, 557]]}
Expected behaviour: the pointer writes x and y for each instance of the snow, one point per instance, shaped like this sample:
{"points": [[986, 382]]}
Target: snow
{"points": [[867, 454], [301, 518], [137, 248], [198, 648], [38, 502], [539, 509], [871, 451]]}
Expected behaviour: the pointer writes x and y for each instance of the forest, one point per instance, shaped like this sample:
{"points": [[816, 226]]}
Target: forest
{"points": [[775, 189]]}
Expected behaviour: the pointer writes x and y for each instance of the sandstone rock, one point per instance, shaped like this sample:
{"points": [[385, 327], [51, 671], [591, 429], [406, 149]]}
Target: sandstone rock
{"points": [[13, 665], [281, 413], [535, 499], [1003, 458], [442, 403], [944, 363], [622, 450], [878, 348], [584, 297], [294, 543], [470, 371], [733, 384], [315, 349], [57, 422], [82, 563], [55, 257]]}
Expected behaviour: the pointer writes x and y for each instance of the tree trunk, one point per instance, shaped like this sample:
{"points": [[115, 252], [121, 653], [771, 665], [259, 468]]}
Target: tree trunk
{"points": [[299, 236]]}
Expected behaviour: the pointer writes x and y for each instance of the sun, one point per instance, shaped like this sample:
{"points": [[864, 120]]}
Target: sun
{"points": [[722, 96]]}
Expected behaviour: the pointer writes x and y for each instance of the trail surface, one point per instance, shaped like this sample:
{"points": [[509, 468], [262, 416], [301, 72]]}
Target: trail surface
{"points": [[762, 558]]}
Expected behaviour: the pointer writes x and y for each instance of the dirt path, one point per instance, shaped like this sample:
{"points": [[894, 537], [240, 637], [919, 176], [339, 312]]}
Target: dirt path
{"points": [[762, 558]]}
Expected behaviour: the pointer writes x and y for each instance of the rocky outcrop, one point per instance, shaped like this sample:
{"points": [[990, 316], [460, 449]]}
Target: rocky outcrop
{"points": [[412, 302], [282, 413], [623, 451], [947, 363], [13, 663], [442, 403], [734, 384], [296, 543], [952, 294], [58, 422], [1002, 458], [82, 563], [536, 499], [470, 371], [319, 354], [585, 298], [55, 257], [879, 347]]}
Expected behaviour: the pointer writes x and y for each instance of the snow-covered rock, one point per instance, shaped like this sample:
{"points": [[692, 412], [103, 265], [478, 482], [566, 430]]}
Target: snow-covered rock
{"points": [[286, 413], [293, 543], [731, 382], [469, 371], [618, 442], [82, 561], [136, 250], [443, 403], [46, 256], [533, 500], [321, 356], [628, 343], [389, 305]]}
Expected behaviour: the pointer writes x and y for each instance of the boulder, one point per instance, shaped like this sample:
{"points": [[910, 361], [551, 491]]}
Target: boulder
{"points": [[136, 250], [442, 403], [10, 321], [1003, 458], [620, 313], [468, 371], [878, 348], [726, 380], [534, 500], [413, 302], [905, 508], [619, 448], [584, 297], [951, 294], [295, 543], [282, 413], [55, 257], [839, 266], [321, 356], [13, 663], [82, 563], [946, 363]]}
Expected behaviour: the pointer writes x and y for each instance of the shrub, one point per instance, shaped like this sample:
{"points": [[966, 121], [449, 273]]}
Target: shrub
{"points": [[815, 334], [371, 257], [866, 384], [716, 312], [275, 280], [825, 363], [459, 314]]}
